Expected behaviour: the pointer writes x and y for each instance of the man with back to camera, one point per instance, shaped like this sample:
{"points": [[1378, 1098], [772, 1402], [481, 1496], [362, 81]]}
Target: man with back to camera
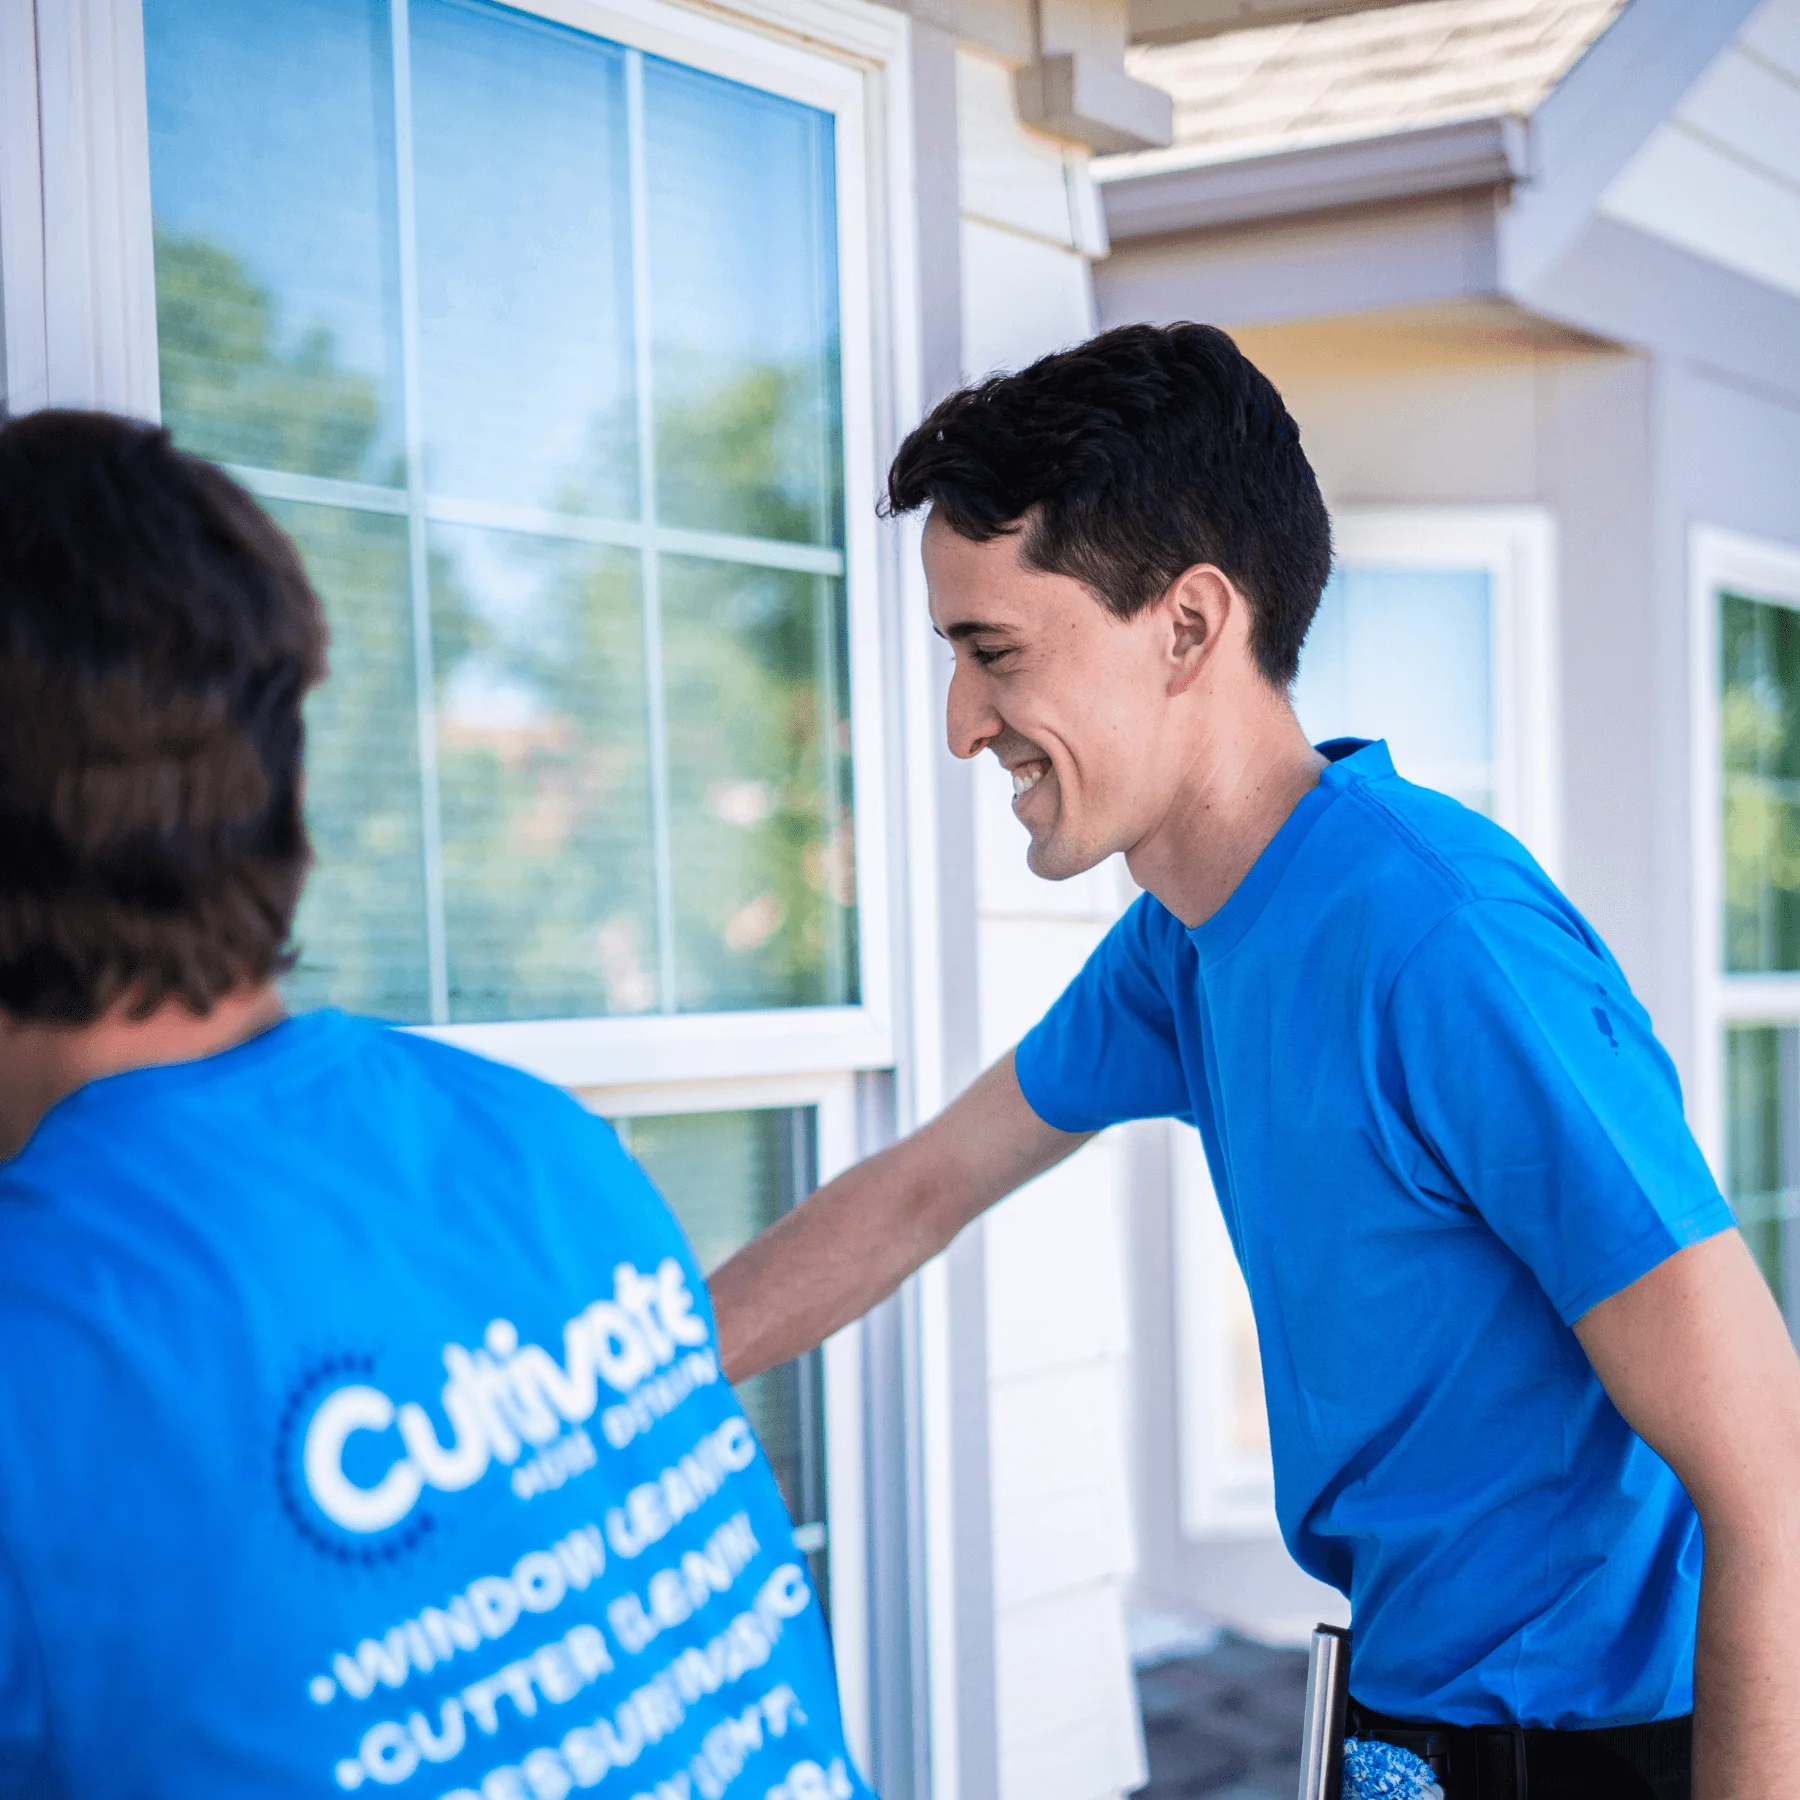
{"points": [[1494, 1283], [253, 1543]]}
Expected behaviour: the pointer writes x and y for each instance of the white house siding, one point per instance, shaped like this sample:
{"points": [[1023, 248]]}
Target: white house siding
{"points": [[1721, 176], [1058, 1336]]}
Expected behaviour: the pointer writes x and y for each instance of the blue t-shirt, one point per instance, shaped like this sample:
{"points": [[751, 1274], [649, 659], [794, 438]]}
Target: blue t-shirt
{"points": [[1440, 1130], [361, 1428]]}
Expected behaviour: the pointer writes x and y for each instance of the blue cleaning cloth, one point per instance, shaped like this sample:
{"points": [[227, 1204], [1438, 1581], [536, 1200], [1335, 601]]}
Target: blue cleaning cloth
{"points": [[1377, 1771]]}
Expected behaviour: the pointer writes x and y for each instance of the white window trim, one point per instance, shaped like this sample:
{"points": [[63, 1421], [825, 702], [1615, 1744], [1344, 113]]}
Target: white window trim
{"points": [[1225, 1492], [1516, 546], [93, 306], [833, 1098], [1761, 569]]}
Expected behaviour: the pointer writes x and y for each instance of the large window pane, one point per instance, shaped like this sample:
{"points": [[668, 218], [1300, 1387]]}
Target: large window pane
{"points": [[634, 638], [1404, 654], [743, 252], [277, 309], [524, 261], [727, 1175], [759, 780], [548, 890], [361, 928], [1760, 740], [1762, 1149]]}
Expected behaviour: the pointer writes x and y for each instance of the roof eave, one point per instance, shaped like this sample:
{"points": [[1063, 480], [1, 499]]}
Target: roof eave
{"points": [[1400, 165]]}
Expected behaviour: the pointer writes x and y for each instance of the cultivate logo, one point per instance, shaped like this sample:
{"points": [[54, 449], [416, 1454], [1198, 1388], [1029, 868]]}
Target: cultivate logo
{"points": [[501, 1398]]}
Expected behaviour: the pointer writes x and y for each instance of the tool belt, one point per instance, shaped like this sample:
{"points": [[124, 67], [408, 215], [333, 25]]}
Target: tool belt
{"points": [[1510, 1762]]}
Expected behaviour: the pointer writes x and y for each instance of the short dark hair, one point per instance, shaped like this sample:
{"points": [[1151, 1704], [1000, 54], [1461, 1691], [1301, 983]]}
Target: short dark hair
{"points": [[157, 636], [1127, 460]]}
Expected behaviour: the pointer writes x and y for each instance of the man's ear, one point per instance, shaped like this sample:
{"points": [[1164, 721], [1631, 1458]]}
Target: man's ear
{"points": [[1198, 604]]}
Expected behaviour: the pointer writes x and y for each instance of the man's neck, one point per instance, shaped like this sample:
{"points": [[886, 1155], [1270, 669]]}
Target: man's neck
{"points": [[41, 1063], [1249, 775]]}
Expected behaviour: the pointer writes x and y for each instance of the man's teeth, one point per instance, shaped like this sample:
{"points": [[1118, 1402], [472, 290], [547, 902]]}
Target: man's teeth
{"points": [[1024, 780]]}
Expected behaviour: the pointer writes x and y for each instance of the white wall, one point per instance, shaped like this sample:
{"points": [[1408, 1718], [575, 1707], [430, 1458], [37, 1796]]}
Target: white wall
{"points": [[1058, 1335], [1721, 176]]}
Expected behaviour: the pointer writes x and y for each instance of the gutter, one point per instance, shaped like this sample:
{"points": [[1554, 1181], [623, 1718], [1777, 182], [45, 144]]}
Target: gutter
{"points": [[1145, 196]]}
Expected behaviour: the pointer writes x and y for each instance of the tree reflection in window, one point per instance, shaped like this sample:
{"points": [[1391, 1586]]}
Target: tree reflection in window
{"points": [[533, 852], [1759, 717]]}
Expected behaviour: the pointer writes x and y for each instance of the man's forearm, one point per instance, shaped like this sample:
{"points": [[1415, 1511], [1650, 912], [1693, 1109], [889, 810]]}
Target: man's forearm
{"points": [[827, 1262], [861, 1235], [1746, 1674]]}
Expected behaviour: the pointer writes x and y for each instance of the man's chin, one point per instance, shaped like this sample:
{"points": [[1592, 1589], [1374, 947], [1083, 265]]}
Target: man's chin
{"points": [[1053, 858]]}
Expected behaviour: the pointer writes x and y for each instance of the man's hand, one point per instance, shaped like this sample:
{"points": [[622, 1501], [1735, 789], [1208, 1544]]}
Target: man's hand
{"points": [[1697, 1358], [861, 1235]]}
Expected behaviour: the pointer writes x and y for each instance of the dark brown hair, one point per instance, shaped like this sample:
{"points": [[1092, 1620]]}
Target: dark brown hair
{"points": [[157, 636], [1124, 462]]}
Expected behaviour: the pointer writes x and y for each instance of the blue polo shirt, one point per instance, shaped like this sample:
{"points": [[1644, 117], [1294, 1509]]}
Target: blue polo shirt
{"points": [[1441, 1130], [361, 1428]]}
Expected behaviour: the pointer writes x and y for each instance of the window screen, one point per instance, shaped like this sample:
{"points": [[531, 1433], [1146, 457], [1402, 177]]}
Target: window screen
{"points": [[530, 341]]}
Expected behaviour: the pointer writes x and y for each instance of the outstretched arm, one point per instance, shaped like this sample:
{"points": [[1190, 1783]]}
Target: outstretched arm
{"points": [[849, 1246], [1697, 1358]]}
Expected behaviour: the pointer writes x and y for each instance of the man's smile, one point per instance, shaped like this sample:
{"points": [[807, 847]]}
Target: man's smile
{"points": [[1026, 776]]}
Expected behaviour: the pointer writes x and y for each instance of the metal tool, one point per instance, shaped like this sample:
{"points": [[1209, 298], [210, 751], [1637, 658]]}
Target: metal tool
{"points": [[1327, 1698]]}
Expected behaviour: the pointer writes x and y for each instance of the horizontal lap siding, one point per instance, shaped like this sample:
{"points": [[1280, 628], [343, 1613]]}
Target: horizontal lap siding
{"points": [[1058, 1338]]}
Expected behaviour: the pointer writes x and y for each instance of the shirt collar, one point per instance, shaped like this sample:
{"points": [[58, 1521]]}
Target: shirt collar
{"points": [[1348, 760]]}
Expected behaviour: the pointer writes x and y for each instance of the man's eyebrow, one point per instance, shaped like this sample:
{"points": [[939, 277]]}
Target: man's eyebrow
{"points": [[968, 628]]}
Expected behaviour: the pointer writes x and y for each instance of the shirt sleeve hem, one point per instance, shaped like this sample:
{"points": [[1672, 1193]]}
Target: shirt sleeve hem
{"points": [[1024, 1069], [1651, 1248]]}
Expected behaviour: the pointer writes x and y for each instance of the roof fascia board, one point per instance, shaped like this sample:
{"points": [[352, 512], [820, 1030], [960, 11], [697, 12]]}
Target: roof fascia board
{"points": [[1597, 118], [1405, 165], [1434, 251], [1623, 284]]}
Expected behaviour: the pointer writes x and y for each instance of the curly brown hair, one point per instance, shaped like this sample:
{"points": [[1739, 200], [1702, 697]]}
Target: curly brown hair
{"points": [[157, 637]]}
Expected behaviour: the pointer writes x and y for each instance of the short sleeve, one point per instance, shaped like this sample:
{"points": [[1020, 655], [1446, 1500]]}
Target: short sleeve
{"points": [[1107, 1051], [1531, 1075], [23, 1725]]}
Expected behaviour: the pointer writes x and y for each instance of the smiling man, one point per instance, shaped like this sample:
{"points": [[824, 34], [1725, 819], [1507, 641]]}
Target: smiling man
{"points": [[1515, 1353]]}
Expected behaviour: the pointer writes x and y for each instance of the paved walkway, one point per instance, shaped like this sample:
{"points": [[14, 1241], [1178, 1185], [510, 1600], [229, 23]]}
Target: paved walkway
{"points": [[1224, 1724]]}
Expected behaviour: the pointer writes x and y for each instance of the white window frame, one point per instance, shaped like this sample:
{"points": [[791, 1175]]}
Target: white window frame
{"points": [[833, 1100], [1224, 1491], [97, 289], [1760, 569], [1515, 546]]}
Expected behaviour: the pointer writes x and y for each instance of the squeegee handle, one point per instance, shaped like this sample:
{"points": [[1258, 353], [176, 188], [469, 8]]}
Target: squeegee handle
{"points": [[1327, 1700]]}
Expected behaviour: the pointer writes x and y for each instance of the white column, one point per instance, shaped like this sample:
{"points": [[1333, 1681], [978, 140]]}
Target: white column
{"points": [[94, 310], [1058, 1335]]}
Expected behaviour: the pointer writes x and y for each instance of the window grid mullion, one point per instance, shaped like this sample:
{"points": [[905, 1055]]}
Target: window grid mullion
{"points": [[650, 568], [431, 847]]}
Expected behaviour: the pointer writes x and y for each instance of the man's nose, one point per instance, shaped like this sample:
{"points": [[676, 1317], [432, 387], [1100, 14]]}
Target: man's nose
{"points": [[971, 723]]}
